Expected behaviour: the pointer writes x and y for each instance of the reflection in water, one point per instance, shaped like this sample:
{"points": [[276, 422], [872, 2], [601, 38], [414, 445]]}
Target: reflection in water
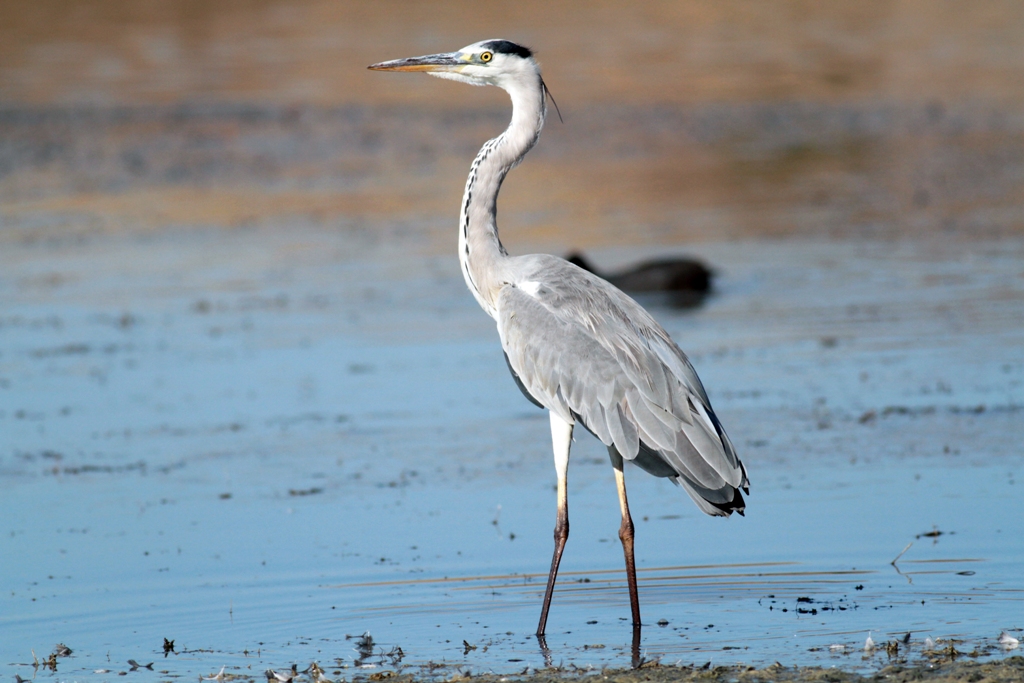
{"points": [[545, 651], [663, 585], [636, 661], [634, 650]]}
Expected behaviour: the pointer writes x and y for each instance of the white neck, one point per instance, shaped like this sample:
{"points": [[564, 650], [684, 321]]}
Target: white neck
{"points": [[481, 254]]}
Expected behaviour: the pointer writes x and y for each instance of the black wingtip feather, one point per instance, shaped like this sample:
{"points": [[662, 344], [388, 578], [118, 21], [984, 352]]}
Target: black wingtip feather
{"points": [[737, 504]]}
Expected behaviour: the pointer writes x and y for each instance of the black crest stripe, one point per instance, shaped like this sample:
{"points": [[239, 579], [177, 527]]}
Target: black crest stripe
{"points": [[507, 47]]}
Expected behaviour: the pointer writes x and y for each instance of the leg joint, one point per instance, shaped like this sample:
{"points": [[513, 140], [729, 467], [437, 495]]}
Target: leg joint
{"points": [[562, 528], [626, 529]]}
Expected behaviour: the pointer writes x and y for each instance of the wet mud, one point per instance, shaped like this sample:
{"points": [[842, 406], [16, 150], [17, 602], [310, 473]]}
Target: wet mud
{"points": [[940, 666]]}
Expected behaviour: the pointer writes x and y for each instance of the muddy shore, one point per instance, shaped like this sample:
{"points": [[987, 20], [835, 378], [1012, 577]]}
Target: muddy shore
{"points": [[1008, 670]]}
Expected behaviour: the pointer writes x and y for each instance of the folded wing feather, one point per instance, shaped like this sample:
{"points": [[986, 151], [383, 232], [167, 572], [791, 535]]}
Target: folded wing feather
{"points": [[586, 351]]}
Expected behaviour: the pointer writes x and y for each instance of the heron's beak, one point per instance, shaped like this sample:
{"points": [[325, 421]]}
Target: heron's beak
{"points": [[449, 61]]}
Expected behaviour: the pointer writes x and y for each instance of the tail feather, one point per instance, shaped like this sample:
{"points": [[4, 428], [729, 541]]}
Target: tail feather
{"points": [[717, 503]]}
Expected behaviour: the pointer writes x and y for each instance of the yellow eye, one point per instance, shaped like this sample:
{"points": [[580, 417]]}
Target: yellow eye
{"points": [[485, 57]]}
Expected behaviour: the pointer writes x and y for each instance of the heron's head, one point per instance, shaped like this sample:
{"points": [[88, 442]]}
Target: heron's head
{"points": [[489, 62]]}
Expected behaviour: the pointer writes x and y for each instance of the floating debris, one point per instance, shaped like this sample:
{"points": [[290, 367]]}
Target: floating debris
{"points": [[285, 677], [48, 663], [364, 646], [305, 492], [62, 650], [1007, 641], [951, 651], [316, 673], [929, 644], [869, 644], [896, 559], [396, 654], [218, 677], [364, 642], [934, 533]]}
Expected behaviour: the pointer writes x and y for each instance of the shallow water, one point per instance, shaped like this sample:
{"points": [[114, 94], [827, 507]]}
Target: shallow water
{"points": [[262, 445], [246, 403]]}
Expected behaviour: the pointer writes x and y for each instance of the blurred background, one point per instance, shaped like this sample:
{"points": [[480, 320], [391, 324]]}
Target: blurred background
{"points": [[684, 121], [242, 382]]}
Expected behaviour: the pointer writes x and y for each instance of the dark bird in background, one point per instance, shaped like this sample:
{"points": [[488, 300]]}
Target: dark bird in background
{"points": [[686, 282]]}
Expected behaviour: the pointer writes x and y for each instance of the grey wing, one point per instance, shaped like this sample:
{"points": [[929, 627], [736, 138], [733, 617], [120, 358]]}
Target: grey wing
{"points": [[584, 350]]}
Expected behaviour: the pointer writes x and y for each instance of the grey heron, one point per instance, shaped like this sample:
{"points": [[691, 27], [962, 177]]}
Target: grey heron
{"points": [[575, 344]]}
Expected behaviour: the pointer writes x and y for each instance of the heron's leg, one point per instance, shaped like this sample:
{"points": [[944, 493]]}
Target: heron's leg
{"points": [[561, 440], [626, 535]]}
